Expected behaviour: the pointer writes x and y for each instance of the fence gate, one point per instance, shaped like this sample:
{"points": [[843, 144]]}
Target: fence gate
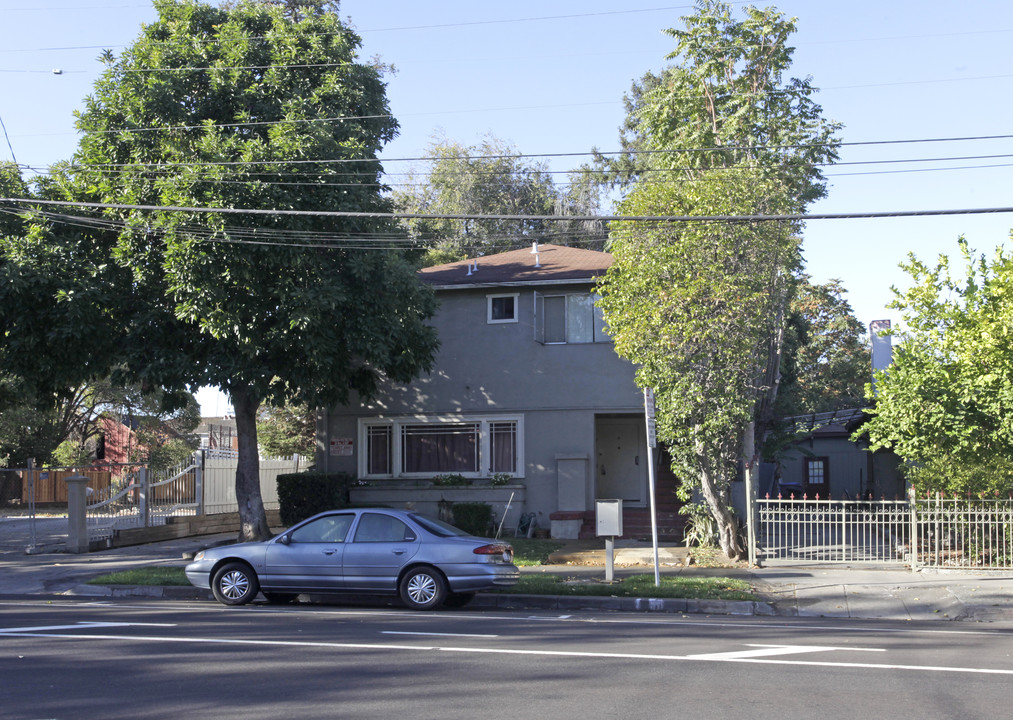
{"points": [[919, 532], [120, 496], [140, 499]]}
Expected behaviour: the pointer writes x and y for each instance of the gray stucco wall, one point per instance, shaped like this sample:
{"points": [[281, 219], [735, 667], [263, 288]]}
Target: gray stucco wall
{"points": [[484, 367], [487, 369]]}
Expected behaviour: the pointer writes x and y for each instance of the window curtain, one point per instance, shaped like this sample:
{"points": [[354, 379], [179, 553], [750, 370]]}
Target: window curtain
{"points": [[503, 447], [437, 449]]}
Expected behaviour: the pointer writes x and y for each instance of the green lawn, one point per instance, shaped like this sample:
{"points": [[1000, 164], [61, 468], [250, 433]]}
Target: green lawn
{"points": [[700, 588], [528, 551], [151, 575], [530, 584]]}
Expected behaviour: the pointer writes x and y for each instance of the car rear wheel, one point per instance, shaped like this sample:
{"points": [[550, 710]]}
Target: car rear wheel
{"points": [[423, 589], [235, 584]]}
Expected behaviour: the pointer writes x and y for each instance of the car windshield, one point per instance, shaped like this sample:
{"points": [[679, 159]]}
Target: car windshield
{"points": [[437, 527]]}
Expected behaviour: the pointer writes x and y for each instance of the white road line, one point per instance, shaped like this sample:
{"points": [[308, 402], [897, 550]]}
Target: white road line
{"points": [[770, 650], [530, 653], [83, 625], [435, 634], [654, 620]]}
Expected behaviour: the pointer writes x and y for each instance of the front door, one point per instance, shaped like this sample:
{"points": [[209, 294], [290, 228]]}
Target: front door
{"points": [[312, 557], [621, 470]]}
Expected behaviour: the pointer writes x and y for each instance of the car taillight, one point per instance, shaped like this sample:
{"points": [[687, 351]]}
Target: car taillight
{"points": [[495, 549]]}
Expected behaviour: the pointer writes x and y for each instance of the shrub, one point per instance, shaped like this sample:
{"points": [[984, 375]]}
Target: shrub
{"points": [[302, 495], [451, 479], [473, 517]]}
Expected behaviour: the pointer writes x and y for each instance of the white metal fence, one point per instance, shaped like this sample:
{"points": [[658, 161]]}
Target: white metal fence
{"points": [[220, 480], [137, 498], [923, 532], [125, 496]]}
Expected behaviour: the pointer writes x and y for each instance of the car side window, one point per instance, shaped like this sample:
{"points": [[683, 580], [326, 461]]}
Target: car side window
{"points": [[374, 527], [328, 529]]}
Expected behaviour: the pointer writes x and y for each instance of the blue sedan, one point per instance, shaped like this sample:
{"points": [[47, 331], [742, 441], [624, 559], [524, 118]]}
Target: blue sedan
{"points": [[428, 563]]}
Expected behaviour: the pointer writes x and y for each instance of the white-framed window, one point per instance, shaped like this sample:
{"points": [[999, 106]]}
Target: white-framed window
{"points": [[569, 318], [502, 308], [473, 446]]}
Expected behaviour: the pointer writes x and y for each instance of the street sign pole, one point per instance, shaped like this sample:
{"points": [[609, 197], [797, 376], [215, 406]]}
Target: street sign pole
{"points": [[652, 443]]}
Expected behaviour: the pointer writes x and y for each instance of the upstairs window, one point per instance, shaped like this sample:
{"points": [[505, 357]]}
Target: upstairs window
{"points": [[568, 319], [502, 308]]}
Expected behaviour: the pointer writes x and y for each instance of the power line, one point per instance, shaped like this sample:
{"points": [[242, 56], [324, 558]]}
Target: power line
{"points": [[259, 236], [198, 68], [369, 178], [794, 217], [8, 139], [417, 27], [520, 156]]}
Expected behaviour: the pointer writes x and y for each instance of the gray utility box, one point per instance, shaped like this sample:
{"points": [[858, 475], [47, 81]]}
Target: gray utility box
{"points": [[609, 517]]}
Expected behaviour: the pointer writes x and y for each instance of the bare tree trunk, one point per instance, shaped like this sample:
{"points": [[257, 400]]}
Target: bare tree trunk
{"points": [[252, 518], [728, 529]]}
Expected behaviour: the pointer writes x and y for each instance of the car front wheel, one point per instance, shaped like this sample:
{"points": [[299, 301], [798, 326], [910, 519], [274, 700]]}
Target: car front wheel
{"points": [[423, 589], [235, 584]]}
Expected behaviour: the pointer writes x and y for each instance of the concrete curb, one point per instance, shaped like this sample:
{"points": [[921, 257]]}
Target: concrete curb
{"points": [[168, 592], [690, 606], [497, 601]]}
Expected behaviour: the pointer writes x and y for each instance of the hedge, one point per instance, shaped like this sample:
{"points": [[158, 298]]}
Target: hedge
{"points": [[302, 495], [473, 517]]}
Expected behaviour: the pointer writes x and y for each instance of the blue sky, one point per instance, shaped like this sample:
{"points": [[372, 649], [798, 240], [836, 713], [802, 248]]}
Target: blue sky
{"points": [[549, 77]]}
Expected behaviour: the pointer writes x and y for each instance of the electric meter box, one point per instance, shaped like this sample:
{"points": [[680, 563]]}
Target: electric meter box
{"points": [[609, 517]]}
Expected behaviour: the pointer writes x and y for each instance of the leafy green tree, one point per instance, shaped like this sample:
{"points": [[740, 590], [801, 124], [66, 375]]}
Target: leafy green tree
{"points": [[945, 404], [26, 430], [725, 104], [11, 185], [164, 431], [49, 313], [244, 107], [297, 9], [287, 430], [701, 308], [489, 179], [63, 429], [830, 358], [697, 307]]}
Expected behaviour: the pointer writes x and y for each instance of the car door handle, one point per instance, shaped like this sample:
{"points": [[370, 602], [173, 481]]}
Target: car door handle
{"points": [[331, 551], [398, 551]]}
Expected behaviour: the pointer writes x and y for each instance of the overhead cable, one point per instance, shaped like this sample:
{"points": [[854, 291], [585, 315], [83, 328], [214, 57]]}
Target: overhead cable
{"points": [[520, 218]]}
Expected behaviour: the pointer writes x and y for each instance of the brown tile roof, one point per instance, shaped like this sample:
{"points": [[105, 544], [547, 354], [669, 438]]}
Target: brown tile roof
{"points": [[556, 263]]}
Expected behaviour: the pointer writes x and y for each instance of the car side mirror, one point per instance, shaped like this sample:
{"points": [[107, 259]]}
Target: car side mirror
{"points": [[284, 539]]}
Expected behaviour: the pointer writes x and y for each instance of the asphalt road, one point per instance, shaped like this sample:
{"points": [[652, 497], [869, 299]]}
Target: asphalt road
{"points": [[141, 659]]}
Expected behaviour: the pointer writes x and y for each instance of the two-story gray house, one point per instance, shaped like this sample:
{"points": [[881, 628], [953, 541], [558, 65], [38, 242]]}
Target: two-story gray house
{"points": [[526, 383]]}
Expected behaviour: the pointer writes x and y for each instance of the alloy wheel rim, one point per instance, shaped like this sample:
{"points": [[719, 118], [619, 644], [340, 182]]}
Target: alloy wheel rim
{"points": [[234, 585], [422, 588]]}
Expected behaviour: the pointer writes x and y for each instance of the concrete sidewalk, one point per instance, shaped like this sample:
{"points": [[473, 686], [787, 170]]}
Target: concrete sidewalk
{"points": [[844, 591], [824, 591]]}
